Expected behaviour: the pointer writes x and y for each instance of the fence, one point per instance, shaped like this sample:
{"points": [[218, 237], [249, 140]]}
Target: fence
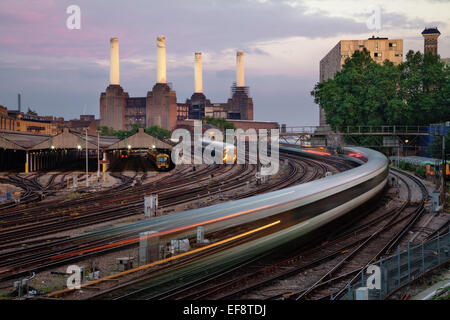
{"points": [[381, 130], [387, 275]]}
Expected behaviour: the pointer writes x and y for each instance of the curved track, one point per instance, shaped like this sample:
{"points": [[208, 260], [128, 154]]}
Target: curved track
{"points": [[359, 184]]}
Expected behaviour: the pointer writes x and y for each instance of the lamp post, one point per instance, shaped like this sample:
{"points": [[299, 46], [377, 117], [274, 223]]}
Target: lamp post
{"points": [[443, 166], [87, 152], [98, 155]]}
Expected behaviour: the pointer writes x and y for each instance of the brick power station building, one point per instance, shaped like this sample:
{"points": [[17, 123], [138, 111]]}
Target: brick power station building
{"points": [[120, 111]]}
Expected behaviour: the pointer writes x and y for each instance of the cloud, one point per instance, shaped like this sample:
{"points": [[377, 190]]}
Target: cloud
{"points": [[225, 74], [60, 70]]}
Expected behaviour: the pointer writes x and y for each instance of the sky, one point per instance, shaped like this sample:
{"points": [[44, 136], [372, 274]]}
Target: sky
{"points": [[62, 71]]}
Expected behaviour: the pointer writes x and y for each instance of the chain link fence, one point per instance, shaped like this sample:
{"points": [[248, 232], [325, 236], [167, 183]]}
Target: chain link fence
{"points": [[383, 277]]}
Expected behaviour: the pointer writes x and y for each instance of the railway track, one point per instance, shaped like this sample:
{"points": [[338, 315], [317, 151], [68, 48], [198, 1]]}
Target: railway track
{"points": [[34, 253], [319, 171], [339, 260], [24, 259], [346, 261]]}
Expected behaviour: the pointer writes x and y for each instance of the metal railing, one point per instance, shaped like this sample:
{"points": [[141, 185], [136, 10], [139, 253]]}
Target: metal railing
{"points": [[397, 129], [388, 275]]}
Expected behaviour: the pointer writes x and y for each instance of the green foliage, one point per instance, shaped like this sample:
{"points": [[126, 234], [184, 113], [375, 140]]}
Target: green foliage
{"points": [[220, 123], [406, 166], [416, 92], [32, 112], [436, 147], [417, 169], [158, 132], [155, 131], [421, 171], [106, 131]]}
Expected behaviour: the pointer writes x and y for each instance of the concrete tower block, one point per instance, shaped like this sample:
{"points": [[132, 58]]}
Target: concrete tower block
{"points": [[198, 73], [114, 77], [161, 59], [240, 69]]}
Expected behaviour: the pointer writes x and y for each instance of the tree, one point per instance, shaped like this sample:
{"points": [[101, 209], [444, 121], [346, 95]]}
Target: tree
{"points": [[158, 132], [220, 123], [155, 131], [416, 92], [32, 112], [107, 131], [436, 146], [425, 89]]}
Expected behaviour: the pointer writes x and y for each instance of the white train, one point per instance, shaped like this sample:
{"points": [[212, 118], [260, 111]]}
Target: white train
{"points": [[228, 150]]}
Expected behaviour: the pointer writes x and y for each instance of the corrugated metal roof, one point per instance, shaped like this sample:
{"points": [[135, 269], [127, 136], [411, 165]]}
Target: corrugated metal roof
{"points": [[24, 139], [140, 140]]}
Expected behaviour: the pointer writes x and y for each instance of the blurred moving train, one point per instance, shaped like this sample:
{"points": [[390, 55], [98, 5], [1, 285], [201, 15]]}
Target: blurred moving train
{"points": [[229, 151], [300, 213]]}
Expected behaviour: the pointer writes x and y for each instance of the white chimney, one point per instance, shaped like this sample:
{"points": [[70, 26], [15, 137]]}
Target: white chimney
{"points": [[240, 69], [114, 77], [198, 73], [161, 60]]}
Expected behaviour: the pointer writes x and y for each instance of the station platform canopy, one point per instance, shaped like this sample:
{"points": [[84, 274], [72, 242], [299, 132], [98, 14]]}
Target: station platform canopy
{"points": [[15, 140], [140, 140], [67, 139]]}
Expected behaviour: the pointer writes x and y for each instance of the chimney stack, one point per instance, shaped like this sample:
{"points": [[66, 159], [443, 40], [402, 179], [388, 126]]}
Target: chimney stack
{"points": [[198, 73], [18, 101], [161, 60], [240, 69], [114, 63], [430, 40]]}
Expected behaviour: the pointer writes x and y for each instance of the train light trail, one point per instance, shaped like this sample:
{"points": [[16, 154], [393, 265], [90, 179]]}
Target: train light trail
{"points": [[356, 155], [57, 293], [135, 240], [322, 153]]}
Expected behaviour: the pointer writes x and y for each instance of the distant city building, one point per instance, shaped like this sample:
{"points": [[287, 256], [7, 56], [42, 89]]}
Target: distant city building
{"points": [[14, 120], [238, 124], [160, 107], [430, 40], [380, 49], [80, 124]]}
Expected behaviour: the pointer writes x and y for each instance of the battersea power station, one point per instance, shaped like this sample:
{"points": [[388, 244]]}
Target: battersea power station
{"points": [[120, 111]]}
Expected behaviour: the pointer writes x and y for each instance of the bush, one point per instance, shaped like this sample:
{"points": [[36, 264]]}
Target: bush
{"points": [[420, 171]]}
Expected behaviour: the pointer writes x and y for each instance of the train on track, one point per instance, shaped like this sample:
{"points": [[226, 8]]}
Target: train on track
{"points": [[282, 217], [160, 160], [229, 154]]}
